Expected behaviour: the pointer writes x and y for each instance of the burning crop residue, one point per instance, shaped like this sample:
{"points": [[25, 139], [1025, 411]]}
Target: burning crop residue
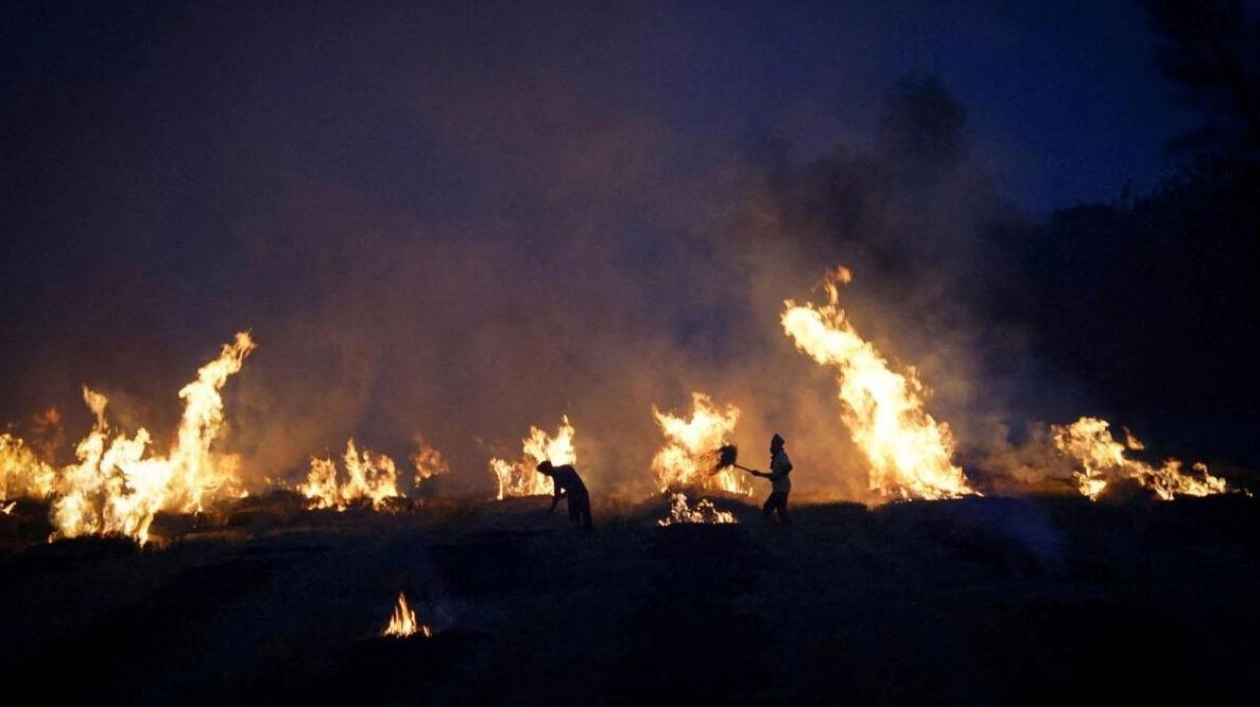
{"points": [[1101, 460], [520, 478], [22, 471], [119, 484], [403, 623], [687, 460], [370, 478], [703, 512], [909, 452], [429, 462]]}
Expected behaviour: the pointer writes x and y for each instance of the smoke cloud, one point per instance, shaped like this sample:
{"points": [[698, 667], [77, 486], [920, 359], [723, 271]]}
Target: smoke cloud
{"points": [[460, 222]]}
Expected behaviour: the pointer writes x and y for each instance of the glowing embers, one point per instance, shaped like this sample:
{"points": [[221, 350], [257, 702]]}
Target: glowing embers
{"points": [[909, 452], [403, 623], [1102, 461], [703, 512], [687, 460], [521, 478], [119, 485]]}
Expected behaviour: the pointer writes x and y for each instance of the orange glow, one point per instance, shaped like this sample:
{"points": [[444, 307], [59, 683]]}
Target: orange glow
{"points": [[687, 459], [908, 451], [520, 478], [1100, 461]]}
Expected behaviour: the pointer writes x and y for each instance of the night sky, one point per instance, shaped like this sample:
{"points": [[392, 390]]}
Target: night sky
{"points": [[457, 220]]}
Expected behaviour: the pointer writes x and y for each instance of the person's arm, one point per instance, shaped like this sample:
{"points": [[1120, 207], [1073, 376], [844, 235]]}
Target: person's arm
{"points": [[555, 498]]}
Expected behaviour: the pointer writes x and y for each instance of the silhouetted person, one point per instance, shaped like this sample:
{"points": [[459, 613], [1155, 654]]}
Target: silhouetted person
{"points": [[569, 485], [780, 482]]}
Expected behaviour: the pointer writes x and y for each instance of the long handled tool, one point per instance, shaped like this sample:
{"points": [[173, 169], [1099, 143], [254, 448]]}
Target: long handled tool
{"points": [[726, 456]]}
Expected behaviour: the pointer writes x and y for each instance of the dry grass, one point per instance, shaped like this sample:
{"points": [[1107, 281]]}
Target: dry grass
{"points": [[977, 601]]}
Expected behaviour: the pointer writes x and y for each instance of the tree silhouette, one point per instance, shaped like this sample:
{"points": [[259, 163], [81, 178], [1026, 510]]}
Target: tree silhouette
{"points": [[1211, 49]]}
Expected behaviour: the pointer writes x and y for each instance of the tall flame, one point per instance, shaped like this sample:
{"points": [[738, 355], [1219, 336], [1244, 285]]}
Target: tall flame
{"points": [[687, 459], [370, 478], [909, 452], [117, 488], [1102, 461], [520, 478]]}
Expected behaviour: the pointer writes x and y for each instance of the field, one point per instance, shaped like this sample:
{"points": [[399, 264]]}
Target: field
{"points": [[1048, 600]]}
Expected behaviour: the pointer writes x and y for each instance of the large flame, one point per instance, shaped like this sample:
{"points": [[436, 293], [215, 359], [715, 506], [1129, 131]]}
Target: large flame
{"points": [[370, 478], [909, 452], [704, 512], [403, 622], [687, 460], [117, 487], [1102, 460], [520, 478]]}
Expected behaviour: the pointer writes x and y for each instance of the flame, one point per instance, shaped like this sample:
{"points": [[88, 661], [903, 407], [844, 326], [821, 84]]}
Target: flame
{"points": [[7, 508], [117, 488], [687, 459], [909, 452], [704, 512], [1101, 459], [370, 478], [427, 461], [403, 622], [520, 478], [22, 471]]}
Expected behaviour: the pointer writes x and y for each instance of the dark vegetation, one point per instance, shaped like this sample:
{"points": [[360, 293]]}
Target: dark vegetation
{"points": [[985, 601], [1147, 303]]}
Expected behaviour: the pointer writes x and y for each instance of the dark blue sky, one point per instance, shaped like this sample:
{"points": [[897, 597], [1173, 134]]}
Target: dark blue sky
{"points": [[1064, 103]]}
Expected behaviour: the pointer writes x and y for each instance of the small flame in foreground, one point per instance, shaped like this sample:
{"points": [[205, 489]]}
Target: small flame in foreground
{"points": [[687, 460], [521, 478], [370, 478], [116, 489], [704, 512], [1102, 461], [7, 508], [908, 450], [403, 622]]}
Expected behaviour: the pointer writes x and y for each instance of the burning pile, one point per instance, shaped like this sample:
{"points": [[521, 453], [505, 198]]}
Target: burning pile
{"points": [[118, 484], [520, 478], [687, 460], [1102, 461], [704, 512], [909, 452]]}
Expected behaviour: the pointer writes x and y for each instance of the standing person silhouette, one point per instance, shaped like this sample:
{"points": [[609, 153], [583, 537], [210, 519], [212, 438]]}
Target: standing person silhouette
{"points": [[569, 485], [780, 482]]}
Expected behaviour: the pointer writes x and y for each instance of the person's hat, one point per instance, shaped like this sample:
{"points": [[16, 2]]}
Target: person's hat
{"points": [[777, 441]]}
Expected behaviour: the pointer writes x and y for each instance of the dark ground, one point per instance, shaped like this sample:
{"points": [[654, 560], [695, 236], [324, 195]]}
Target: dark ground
{"points": [[983, 601]]}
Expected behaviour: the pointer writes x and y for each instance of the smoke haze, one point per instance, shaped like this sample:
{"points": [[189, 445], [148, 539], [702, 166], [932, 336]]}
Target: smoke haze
{"points": [[461, 222]]}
